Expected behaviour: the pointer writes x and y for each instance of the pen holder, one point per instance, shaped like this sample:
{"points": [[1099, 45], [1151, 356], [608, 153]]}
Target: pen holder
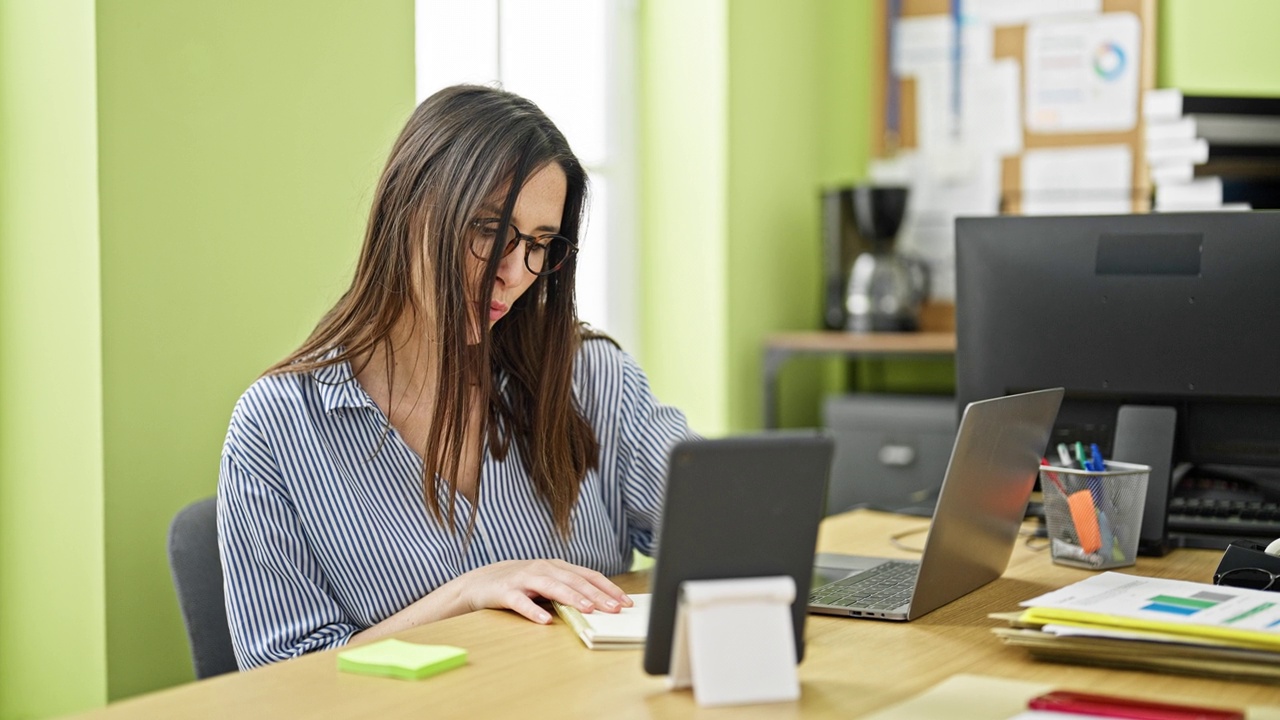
{"points": [[1094, 518]]}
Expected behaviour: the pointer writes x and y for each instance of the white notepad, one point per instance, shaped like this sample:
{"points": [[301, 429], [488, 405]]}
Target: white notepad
{"points": [[600, 630]]}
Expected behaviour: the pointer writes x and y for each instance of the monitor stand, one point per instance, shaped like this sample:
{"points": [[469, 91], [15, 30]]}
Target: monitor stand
{"points": [[1145, 435]]}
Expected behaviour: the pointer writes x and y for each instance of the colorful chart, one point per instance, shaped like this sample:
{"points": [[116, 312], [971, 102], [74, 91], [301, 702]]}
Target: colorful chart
{"points": [[1190, 605]]}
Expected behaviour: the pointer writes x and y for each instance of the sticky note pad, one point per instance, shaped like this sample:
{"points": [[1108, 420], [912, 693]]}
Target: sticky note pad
{"points": [[399, 659], [1085, 520]]}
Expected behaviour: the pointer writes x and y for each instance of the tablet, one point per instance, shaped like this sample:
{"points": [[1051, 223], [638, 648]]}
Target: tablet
{"points": [[738, 507]]}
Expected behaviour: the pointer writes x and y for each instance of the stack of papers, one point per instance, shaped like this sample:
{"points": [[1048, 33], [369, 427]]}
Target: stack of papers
{"points": [[1122, 620], [600, 630], [1174, 148]]}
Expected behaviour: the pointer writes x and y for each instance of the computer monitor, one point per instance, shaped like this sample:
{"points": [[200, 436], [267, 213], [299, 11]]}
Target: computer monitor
{"points": [[1171, 312]]}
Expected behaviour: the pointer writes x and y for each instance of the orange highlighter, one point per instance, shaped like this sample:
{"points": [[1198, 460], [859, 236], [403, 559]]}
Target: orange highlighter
{"points": [[1085, 519]]}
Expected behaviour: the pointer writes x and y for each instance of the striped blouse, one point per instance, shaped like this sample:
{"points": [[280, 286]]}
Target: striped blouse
{"points": [[321, 537]]}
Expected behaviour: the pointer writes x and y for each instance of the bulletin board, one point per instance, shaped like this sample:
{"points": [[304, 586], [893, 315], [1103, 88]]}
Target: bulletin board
{"points": [[1028, 173]]}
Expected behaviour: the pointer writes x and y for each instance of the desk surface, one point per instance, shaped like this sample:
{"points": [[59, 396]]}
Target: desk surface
{"points": [[852, 666]]}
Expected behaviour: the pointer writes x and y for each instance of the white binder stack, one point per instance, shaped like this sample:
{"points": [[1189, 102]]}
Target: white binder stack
{"points": [[1173, 148]]}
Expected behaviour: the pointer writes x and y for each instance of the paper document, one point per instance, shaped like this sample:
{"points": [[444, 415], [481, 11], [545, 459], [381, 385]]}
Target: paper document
{"points": [[1018, 12], [1194, 151], [1162, 104], [1082, 74], [1173, 606], [990, 118], [1182, 130], [1199, 194], [1088, 180]]}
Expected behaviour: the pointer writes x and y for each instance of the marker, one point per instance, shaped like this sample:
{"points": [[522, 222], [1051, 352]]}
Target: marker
{"points": [[1052, 477], [1064, 455], [1080, 456], [1099, 465]]}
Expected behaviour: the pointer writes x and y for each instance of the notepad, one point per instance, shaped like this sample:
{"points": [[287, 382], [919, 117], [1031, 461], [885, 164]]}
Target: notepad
{"points": [[600, 630], [399, 659]]}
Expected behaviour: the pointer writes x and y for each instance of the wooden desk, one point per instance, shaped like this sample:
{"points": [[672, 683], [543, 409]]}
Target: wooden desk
{"points": [[852, 667], [783, 346]]}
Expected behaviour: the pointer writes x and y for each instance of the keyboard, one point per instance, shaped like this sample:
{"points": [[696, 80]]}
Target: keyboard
{"points": [[1233, 518], [883, 587]]}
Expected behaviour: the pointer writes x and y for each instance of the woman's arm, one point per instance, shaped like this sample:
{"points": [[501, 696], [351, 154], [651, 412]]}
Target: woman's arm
{"points": [[278, 604], [511, 584], [647, 430]]}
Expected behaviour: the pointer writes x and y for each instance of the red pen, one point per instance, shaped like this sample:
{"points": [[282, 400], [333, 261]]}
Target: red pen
{"points": [[1052, 477], [1076, 703]]}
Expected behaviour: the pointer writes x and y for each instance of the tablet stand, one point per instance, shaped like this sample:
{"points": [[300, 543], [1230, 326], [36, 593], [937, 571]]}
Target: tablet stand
{"points": [[734, 641]]}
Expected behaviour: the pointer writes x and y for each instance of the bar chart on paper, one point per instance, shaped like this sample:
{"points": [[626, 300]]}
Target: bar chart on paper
{"points": [[1178, 605]]}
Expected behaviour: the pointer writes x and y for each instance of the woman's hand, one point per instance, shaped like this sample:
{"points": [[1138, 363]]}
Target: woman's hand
{"points": [[513, 584]]}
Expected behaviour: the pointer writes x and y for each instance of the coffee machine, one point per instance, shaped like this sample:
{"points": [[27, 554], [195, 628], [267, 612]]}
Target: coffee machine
{"points": [[886, 289]]}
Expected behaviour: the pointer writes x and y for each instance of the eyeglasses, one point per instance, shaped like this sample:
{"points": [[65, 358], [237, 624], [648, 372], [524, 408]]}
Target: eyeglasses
{"points": [[1252, 578], [543, 254]]}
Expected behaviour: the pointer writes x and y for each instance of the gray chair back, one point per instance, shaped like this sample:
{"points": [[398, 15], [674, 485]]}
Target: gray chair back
{"points": [[197, 576]]}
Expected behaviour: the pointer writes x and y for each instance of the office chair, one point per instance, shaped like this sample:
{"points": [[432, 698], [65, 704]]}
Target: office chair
{"points": [[197, 576]]}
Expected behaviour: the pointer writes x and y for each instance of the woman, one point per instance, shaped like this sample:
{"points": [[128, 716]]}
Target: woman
{"points": [[449, 437]]}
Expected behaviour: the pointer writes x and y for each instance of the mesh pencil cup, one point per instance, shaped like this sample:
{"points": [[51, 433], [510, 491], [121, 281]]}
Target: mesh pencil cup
{"points": [[1094, 518]]}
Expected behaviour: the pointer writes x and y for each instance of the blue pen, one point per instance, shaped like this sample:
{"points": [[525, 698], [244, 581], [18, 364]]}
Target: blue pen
{"points": [[1099, 465], [1105, 504]]}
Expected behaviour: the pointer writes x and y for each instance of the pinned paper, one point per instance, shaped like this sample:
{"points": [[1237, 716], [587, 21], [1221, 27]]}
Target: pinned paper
{"points": [[399, 659], [1082, 74]]}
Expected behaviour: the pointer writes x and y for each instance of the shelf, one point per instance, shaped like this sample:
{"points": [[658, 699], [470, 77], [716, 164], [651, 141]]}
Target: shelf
{"points": [[780, 347]]}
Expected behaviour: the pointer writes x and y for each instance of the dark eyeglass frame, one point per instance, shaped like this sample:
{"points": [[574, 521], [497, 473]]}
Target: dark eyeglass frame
{"points": [[1219, 577], [530, 242]]}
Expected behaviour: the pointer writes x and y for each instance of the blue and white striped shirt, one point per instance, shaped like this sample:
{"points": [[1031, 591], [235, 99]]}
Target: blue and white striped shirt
{"points": [[321, 537]]}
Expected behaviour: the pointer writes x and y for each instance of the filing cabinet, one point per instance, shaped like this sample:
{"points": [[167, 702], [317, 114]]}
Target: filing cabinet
{"points": [[891, 450]]}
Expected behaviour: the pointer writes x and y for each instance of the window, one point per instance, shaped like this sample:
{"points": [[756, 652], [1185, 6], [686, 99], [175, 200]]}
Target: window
{"points": [[576, 60]]}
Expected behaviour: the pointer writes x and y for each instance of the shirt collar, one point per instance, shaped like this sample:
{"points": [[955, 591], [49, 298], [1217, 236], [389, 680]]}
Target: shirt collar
{"points": [[337, 385]]}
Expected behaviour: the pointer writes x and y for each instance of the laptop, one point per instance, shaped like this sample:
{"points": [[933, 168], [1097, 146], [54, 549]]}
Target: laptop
{"points": [[993, 467]]}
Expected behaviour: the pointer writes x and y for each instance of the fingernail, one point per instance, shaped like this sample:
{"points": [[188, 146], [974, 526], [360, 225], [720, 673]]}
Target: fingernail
{"points": [[585, 604], [626, 600], [611, 604]]}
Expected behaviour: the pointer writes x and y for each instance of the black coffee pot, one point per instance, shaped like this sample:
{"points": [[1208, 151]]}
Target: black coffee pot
{"points": [[886, 290]]}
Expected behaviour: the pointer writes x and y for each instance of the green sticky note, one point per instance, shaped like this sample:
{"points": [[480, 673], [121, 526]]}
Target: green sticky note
{"points": [[399, 659]]}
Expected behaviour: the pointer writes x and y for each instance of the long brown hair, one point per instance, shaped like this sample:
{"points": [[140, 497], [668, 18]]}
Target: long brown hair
{"points": [[463, 146]]}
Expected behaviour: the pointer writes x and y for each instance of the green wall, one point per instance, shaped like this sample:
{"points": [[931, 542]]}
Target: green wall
{"points": [[683, 189], [750, 108], [239, 146], [1223, 47], [182, 194], [52, 619]]}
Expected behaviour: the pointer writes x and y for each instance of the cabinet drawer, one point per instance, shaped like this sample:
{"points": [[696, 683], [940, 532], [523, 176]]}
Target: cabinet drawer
{"points": [[891, 450]]}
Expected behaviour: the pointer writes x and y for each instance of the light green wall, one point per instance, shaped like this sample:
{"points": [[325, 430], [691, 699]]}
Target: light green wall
{"points": [[183, 187], [684, 228], [240, 143], [749, 108], [52, 622], [1223, 47], [775, 91]]}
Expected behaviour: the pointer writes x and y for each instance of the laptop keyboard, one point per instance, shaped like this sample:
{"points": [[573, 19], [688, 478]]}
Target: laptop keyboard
{"points": [[883, 587]]}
